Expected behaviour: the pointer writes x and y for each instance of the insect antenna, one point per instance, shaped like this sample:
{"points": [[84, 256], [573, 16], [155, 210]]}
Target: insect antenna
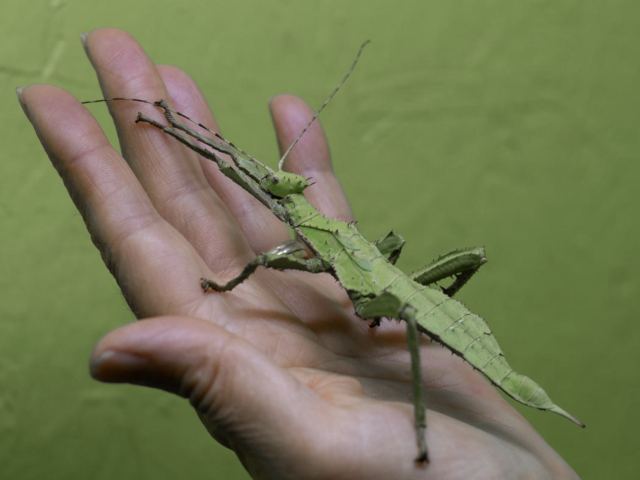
{"points": [[315, 115], [157, 104]]}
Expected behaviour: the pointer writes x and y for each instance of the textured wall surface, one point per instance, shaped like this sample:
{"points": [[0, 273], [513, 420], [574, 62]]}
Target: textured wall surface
{"points": [[512, 125]]}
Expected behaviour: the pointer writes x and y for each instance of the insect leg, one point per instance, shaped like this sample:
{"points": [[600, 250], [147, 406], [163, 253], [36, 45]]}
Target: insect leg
{"points": [[392, 245], [227, 147], [236, 175], [419, 404], [285, 256], [169, 114], [462, 264], [389, 305]]}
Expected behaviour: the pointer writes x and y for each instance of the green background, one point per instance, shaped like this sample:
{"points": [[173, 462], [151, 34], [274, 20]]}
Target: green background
{"points": [[512, 125]]}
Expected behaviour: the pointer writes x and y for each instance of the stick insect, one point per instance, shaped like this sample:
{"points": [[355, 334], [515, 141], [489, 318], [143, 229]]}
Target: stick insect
{"points": [[366, 270]]}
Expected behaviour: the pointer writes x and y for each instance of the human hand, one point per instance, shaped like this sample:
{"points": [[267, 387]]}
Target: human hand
{"points": [[279, 369]]}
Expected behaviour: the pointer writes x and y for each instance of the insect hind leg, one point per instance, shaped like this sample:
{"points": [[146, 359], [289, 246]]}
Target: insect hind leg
{"points": [[462, 264], [389, 305], [419, 404], [391, 245]]}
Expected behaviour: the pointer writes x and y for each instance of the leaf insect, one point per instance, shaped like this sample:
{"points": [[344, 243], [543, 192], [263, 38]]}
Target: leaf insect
{"points": [[366, 270]]}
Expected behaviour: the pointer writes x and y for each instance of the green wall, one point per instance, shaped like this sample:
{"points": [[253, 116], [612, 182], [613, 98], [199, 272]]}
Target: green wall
{"points": [[471, 122]]}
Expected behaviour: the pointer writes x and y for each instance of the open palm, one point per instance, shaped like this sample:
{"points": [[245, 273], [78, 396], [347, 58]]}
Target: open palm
{"points": [[279, 369]]}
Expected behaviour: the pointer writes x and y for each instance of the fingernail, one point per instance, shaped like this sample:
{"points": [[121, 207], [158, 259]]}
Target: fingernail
{"points": [[83, 40], [19, 91], [116, 366], [272, 99]]}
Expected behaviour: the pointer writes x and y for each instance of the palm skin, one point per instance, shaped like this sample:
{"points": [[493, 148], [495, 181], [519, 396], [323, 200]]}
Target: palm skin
{"points": [[279, 369]]}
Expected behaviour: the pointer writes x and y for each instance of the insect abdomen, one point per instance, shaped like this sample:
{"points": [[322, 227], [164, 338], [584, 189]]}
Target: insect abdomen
{"points": [[467, 335]]}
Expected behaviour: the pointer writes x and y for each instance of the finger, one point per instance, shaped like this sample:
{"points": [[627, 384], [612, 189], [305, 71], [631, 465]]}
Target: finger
{"points": [[310, 157], [243, 397], [260, 226], [269, 416], [169, 172], [155, 267]]}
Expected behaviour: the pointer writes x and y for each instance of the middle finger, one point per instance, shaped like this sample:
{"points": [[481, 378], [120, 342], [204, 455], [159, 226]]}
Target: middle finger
{"points": [[260, 226], [169, 172]]}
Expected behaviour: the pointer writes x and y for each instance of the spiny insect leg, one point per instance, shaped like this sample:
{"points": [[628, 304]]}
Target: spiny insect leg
{"points": [[225, 167], [166, 108], [460, 280], [162, 104], [462, 264], [226, 147], [289, 261], [388, 305], [170, 131], [391, 245], [419, 404], [219, 146]]}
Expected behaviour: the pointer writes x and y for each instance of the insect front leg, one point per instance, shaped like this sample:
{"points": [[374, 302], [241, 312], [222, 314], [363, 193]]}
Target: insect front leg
{"points": [[236, 175], [462, 264], [287, 255]]}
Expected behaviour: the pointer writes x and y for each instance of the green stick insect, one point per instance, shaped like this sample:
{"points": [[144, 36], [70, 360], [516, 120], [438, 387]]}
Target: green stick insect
{"points": [[366, 270]]}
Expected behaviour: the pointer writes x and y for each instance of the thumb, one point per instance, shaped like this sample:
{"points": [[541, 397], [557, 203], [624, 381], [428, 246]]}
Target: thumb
{"points": [[244, 399]]}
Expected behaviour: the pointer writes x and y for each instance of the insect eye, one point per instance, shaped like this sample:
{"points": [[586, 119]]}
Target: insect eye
{"points": [[275, 180]]}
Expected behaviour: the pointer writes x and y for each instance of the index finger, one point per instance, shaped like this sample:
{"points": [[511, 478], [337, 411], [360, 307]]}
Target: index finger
{"points": [[156, 268], [178, 183]]}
